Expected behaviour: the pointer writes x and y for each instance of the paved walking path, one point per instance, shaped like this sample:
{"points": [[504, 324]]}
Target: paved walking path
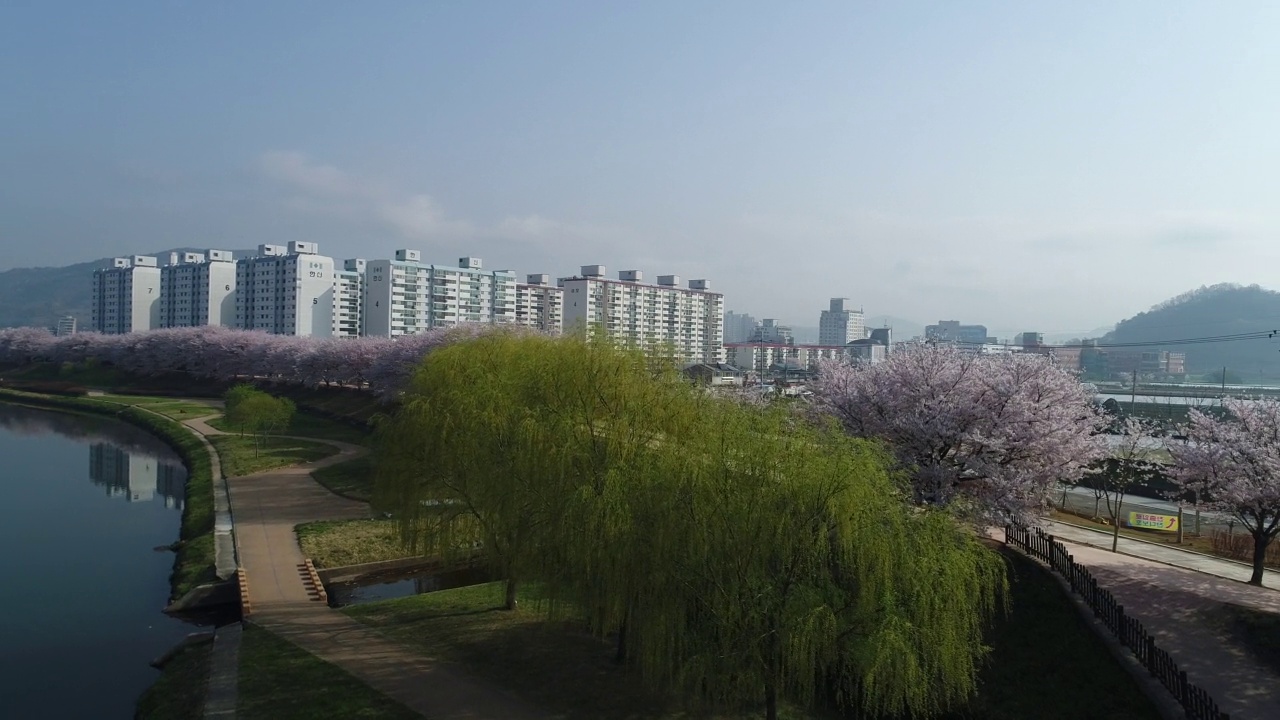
{"points": [[1161, 553], [266, 507], [1177, 605]]}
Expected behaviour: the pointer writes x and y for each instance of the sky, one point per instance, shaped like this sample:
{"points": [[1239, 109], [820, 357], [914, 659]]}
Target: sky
{"points": [[1035, 166]]}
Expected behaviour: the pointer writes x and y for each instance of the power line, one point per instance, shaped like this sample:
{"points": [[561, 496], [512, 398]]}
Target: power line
{"points": [[1210, 339]]}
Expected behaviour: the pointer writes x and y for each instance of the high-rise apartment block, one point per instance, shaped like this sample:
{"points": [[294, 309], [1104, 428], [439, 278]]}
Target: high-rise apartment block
{"points": [[405, 296], [286, 291], [738, 327], [126, 296], [348, 303], [688, 321], [198, 289], [839, 325], [66, 326], [769, 331], [539, 303]]}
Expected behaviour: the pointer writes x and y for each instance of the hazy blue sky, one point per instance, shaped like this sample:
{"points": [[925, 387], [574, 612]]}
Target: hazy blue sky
{"points": [[1052, 166]]}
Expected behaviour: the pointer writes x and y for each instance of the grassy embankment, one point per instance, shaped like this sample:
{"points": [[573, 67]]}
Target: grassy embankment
{"points": [[1045, 661], [179, 693], [280, 681], [351, 542], [194, 563]]}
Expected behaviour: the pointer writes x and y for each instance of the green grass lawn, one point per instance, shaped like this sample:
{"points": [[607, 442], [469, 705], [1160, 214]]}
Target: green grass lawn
{"points": [[351, 542], [353, 479], [280, 681], [243, 456], [311, 426], [176, 408], [179, 692], [1256, 630], [1045, 662]]}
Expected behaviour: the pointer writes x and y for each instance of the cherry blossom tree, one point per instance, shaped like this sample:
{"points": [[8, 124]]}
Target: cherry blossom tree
{"points": [[383, 365], [1233, 464], [987, 436], [1130, 463]]}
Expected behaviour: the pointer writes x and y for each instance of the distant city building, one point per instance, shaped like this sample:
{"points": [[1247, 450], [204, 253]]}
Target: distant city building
{"points": [[348, 299], [952, 331], [883, 336], [868, 350], [739, 327], [772, 358], [126, 296], [688, 321], [715, 375], [539, 303], [198, 289], [1149, 363], [769, 331], [1028, 339], [286, 291], [66, 326], [838, 325], [406, 296]]}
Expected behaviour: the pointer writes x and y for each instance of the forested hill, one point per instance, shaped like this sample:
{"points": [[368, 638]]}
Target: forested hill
{"points": [[39, 296], [1214, 311]]}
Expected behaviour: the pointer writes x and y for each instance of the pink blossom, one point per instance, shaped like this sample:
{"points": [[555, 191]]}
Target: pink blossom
{"points": [[987, 435], [1233, 465]]}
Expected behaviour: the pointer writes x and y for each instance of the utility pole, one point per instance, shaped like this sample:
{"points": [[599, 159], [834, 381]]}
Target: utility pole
{"points": [[1133, 397]]}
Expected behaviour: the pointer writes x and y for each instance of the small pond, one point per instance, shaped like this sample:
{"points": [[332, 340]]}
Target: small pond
{"points": [[397, 585]]}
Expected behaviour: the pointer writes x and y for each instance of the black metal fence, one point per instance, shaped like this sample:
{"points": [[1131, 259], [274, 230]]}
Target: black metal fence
{"points": [[1038, 544]]}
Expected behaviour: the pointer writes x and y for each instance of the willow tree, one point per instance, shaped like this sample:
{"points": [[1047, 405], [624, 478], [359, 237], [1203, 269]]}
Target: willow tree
{"points": [[465, 461], [804, 575], [617, 417], [741, 555]]}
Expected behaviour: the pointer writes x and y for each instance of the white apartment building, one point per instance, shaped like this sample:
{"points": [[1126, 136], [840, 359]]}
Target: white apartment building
{"points": [[840, 326], [126, 296], [66, 326], [689, 321], [759, 357], [198, 289], [348, 293], [540, 304], [286, 291], [406, 296]]}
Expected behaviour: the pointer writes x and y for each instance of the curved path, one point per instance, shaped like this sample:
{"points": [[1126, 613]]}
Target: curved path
{"points": [[266, 507]]}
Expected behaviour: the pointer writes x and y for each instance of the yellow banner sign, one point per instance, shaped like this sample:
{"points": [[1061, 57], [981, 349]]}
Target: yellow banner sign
{"points": [[1147, 521]]}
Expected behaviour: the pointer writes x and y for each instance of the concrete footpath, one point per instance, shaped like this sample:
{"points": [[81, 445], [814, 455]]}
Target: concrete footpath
{"points": [[266, 506], [1181, 606]]}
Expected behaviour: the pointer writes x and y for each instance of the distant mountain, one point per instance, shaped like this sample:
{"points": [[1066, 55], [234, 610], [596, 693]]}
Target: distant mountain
{"points": [[1209, 312], [40, 296]]}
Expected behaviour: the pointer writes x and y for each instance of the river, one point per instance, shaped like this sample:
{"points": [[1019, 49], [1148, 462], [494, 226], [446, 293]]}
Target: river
{"points": [[88, 501]]}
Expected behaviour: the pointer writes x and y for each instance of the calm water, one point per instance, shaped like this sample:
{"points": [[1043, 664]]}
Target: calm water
{"points": [[396, 586], [86, 502]]}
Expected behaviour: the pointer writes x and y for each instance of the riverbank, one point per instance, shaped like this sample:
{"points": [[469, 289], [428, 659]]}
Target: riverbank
{"points": [[194, 550]]}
